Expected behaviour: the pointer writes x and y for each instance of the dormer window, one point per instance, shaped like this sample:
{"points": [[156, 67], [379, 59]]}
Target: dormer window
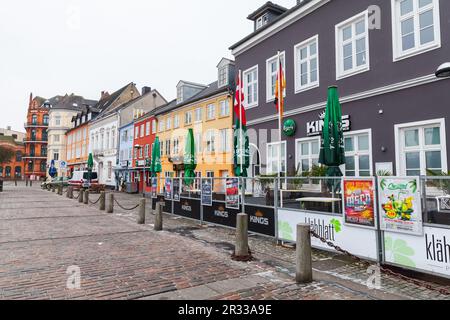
{"points": [[89, 116], [223, 76], [180, 94], [262, 21]]}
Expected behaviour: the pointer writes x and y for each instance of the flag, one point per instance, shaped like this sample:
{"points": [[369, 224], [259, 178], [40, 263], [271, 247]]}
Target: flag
{"points": [[241, 140], [279, 92]]}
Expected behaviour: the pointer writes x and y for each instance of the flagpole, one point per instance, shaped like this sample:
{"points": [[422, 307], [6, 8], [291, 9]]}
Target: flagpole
{"points": [[280, 96], [240, 121]]}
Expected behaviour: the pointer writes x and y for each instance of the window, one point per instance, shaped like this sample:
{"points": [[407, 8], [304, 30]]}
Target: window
{"points": [[352, 46], [107, 140], [43, 167], [142, 130], [176, 147], [45, 122], [271, 75], [416, 27], [251, 87], [153, 126], [176, 122], [210, 175], [180, 94], [422, 148], [136, 132], [161, 149], [273, 159], [44, 151], [34, 119], [147, 148], [262, 21], [198, 115], [211, 112], [162, 125], [19, 156], [307, 64], [358, 154], [225, 140], [141, 153], [210, 141], [57, 120], [188, 118], [169, 124], [223, 76], [56, 155], [109, 170], [89, 116], [224, 108], [198, 143], [56, 138], [167, 147], [147, 128], [308, 151]]}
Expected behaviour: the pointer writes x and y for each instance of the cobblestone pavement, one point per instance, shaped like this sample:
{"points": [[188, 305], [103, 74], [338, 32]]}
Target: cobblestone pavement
{"points": [[43, 234]]}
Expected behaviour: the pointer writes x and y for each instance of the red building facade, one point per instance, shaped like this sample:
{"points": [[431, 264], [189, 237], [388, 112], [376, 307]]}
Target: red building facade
{"points": [[144, 137], [14, 168], [36, 141]]}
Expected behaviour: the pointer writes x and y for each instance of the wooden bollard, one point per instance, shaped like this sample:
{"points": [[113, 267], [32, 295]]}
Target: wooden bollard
{"points": [[304, 272], [241, 249], [86, 197], [141, 215], [26, 182], [159, 216], [110, 207], [60, 190], [103, 201], [81, 196], [53, 189], [70, 193], [31, 183]]}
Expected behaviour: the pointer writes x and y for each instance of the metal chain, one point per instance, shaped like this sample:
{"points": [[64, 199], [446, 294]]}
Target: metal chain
{"points": [[126, 209], [416, 282], [94, 203], [78, 196]]}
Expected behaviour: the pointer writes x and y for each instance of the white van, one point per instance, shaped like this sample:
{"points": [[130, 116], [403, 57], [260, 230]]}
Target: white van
{"points": [[80, 179]]}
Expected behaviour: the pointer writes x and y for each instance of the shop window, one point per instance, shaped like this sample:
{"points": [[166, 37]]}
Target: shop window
{"points": [[358, 155], [273, 159]]}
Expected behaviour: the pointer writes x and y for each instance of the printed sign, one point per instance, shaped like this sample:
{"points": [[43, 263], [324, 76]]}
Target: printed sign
{"points": [[176, 189], [359, 241], [219, 214], [168, 189], [400, 205], [429, 253], [207, 192], [188, 208], [154, 187], [359, 202], [443, 204], [261, 220], [315, 128], [232, 193]]}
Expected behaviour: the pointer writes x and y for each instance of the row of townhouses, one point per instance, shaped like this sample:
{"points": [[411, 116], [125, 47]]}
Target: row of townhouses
{"points": [[395, 110]]}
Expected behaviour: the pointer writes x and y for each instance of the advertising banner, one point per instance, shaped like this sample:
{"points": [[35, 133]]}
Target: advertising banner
{"points": [[359, 241], [359, 202], [207, 192], [400, 205], [154, 187], [176, 189], [429, 253], [232, 193], [219, 214], [188, 208], [261, 220], [168, 189]]}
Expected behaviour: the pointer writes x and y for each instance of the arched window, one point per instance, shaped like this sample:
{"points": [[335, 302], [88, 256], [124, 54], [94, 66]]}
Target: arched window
{"points": [[18, 172], [8, 172], [34, 119]]}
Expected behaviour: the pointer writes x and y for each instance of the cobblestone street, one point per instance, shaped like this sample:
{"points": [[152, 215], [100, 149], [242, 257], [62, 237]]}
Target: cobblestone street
{"points": [[42, 234]]}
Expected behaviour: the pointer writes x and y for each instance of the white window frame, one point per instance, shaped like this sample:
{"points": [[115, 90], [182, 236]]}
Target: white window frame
{"points": [[211, 141], [198, 115], [225, 143], [297, 65], [188, 116], [357, 154], [169, 123], [211, 112], [147, 128], [224, 105], [399, 156], [176, 121], [269, 96], [154, 126], [244, 76], [340, 73], [269, 155], [299, 157], [136, 132], [223, 72], [398, 53], [162, 125], [198, 142]]}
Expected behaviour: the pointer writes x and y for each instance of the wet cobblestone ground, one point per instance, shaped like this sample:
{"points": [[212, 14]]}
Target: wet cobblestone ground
{"points": [[42, 234]]}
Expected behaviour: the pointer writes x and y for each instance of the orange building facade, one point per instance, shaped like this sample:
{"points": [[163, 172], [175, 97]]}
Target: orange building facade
{"points": [[14, 168], [36, 140], [78, 148]]}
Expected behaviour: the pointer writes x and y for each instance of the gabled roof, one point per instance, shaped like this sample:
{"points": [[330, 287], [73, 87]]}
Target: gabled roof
{"points": [[268, 6], [191, 84], [104, 103], [258, 31], [70, 102]]}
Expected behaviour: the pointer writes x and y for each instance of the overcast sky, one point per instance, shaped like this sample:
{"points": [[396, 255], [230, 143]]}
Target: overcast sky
{"points": [[52, 47]]}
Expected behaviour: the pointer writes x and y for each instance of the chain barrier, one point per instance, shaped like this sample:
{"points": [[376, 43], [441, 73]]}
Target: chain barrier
{"points": [[94, 203], [126, 209], [387, 271], [78, 196]]}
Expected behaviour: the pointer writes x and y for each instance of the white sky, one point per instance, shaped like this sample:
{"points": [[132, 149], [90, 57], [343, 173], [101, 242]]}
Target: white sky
{"points": [[52, 47]]}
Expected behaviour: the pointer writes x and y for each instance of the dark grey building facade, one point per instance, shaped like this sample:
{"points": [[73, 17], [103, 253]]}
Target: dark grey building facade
{"points": [[382, 55]]}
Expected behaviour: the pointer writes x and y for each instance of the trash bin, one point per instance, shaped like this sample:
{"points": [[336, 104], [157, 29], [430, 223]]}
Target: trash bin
{"points": [[1, 185]]}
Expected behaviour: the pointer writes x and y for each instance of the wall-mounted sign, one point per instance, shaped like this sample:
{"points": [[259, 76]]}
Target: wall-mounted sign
{"points": [[315, 128], [400, 205], [289, 128]]}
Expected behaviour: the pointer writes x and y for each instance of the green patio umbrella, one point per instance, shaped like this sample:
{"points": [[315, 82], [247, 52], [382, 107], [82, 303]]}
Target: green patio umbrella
{"points": [[189, 159], [156, 158], [332, 152], [90, 165]]}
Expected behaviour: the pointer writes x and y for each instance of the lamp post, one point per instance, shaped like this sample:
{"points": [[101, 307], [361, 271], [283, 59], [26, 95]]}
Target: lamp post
{"points": [[443, 71]]}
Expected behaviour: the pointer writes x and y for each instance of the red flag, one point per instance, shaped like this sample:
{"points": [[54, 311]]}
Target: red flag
{"points": [[279, 92], [239, 109]]}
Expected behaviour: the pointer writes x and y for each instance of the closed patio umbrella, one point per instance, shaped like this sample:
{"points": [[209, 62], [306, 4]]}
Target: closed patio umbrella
{"points": [[189, 159]]}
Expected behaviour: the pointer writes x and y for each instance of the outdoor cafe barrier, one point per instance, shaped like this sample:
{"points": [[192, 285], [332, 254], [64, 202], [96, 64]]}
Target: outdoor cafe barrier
{"points": [[398, 221]]}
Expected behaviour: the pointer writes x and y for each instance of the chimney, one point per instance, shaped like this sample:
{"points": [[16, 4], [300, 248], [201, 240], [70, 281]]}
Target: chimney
{"points": [[146, 90], [104, 94]]}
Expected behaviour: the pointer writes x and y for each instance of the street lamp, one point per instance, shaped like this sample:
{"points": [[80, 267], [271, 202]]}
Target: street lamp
{"points": [[443, 71]]}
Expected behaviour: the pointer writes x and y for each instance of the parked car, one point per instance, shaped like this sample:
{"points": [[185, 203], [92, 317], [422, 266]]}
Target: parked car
{"points": [[80, 179], [55, 182]]}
